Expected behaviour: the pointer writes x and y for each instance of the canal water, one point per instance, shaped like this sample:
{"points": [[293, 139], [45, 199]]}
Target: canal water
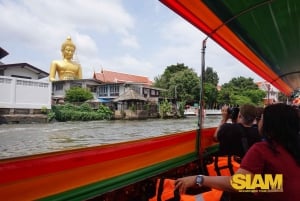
{"points": [[27, 139]]}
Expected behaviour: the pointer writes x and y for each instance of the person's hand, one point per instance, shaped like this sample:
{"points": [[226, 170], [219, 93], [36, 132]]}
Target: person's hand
{"points": [[182, 184], [225, 115]]}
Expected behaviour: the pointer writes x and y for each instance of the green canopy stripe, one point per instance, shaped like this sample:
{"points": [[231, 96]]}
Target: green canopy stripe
{"points": [[108, 185]]}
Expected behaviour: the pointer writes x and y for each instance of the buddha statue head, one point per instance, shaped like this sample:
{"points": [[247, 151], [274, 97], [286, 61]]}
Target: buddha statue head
{"points": [[68, 46], [68, 42], [66, 69]]}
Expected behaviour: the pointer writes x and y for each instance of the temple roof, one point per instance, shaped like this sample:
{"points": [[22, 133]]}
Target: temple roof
{"points": [[115, 77]]}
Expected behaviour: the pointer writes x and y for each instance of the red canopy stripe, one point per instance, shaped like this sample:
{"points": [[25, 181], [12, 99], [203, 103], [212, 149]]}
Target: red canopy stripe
{"points": [[198, 14]]}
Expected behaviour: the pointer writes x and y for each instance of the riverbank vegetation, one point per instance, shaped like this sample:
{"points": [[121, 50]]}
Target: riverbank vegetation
{"points": [[76, 109], [183, 84], [83, 112]]}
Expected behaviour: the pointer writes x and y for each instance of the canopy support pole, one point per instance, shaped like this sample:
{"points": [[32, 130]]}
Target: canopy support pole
{"points": [[201, 101]]}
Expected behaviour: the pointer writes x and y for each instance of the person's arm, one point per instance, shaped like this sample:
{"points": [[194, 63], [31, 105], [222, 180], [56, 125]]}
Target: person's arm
{"points": [[225, 117], [216, 182]]}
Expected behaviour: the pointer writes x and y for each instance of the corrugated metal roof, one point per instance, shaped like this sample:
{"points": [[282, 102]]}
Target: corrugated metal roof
{"points": [[130, 95], [41, 73]]}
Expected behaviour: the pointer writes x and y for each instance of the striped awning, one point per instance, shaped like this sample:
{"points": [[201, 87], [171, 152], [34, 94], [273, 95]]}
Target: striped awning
{"points": [[263, 35]]}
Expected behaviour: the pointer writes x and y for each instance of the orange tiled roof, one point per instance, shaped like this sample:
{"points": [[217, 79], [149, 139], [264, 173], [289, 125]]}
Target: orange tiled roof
{"points": [[115, 77], [259, 84]]}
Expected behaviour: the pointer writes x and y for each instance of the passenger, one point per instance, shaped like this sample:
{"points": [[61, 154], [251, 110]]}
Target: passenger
{"points": [[67, 69], [224, 120], [259, 111], [278, 154], [236, 138], [233, 114]]}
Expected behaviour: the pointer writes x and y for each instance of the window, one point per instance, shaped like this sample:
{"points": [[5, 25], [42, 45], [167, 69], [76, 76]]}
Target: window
{"points": [[92, 88], [114, 90], [59, 86], [103, 91], [19, 76], [145, 91], [154, 93]]}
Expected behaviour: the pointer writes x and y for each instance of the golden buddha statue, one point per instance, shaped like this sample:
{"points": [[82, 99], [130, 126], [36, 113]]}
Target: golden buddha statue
{"points": [[67, 69]]}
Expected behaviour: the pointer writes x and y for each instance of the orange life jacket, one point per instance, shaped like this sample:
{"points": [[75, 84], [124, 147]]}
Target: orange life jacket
{"points": [[222, 165], [165, 191]]}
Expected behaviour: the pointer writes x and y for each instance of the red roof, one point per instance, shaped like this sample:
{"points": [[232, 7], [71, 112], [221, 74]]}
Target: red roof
{"points": [[115, 77]]}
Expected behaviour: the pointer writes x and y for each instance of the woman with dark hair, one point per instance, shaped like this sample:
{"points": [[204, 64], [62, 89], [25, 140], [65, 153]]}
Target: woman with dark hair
{"points": [[278, 154]]}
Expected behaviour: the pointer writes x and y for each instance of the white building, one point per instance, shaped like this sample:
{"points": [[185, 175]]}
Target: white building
{"points": [[22, 70], [271, 92], [22, 90]]}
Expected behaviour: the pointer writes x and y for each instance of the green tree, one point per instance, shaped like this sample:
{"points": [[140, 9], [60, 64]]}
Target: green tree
{"points": [[181, 83], [211, 76], [78, 94], [162, 81], [211, 80], [210, 95], [164, 108], [239, 91], [186, 86], [181, 107]]}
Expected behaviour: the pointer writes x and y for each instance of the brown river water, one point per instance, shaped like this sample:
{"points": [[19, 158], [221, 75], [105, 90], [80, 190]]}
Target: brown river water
{"points": [[27, 139]]}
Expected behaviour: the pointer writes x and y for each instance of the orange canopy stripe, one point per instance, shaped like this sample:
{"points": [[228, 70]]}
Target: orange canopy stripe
{"points": [[79, 169], [197, 13], [21, 168]]}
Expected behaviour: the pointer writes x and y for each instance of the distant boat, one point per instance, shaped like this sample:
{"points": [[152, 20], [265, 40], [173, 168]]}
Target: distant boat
{"points": [[213, 112], [191, 112], [125, 170]]}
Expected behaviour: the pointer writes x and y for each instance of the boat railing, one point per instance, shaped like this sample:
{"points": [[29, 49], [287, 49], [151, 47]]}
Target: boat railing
{"points": [[89, 172]]}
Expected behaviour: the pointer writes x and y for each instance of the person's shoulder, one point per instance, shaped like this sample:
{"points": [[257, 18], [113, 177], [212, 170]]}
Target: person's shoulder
{"points": [[227, 125], [227, 130], [261, 145], [237, 126], [253, 129]]}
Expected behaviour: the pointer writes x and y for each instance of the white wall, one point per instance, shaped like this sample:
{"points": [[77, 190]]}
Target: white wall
{"points": [[24, 93]]}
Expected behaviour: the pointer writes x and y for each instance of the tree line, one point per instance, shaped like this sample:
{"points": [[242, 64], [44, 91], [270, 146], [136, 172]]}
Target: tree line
{"points": [[183, 84]]}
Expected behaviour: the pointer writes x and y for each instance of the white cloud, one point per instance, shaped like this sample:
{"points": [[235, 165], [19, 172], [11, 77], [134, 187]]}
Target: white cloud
{"points": [[86, 45], [111, 34], [130, 41]]}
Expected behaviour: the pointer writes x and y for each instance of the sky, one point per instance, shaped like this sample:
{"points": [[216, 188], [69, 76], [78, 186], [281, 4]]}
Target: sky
{"points": [[140, 37]]}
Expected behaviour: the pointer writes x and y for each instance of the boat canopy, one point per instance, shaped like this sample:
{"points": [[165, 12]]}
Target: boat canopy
{"points": [[263, 35]]}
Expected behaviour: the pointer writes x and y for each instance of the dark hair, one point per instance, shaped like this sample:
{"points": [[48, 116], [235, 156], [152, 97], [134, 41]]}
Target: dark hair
{"points": [[233, 113], [248, 112], [281, 124], [259, 112]]}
